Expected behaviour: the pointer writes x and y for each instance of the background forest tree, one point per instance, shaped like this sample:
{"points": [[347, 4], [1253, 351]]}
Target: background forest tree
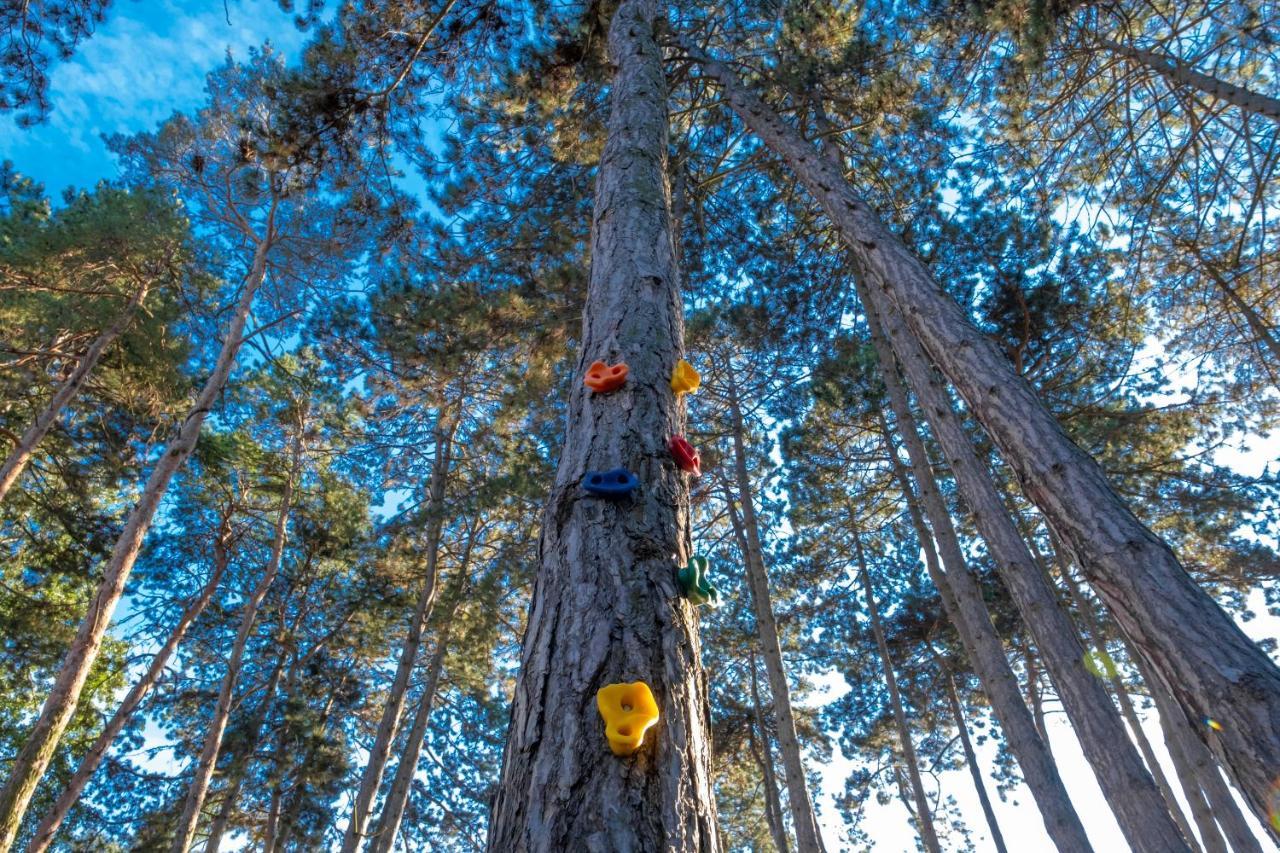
{"points": [[293, 553]]}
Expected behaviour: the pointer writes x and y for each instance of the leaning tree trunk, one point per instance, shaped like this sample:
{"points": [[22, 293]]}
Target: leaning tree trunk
{"points": [[21, 454], [747, 528], [1099, 639], [962, 598], [31, 761], [923, 813], [764, 757], [49, 825], [606, 607], [1198, 652], [971, 759], [1124, 780], [235, 774], [393, 711], [199, 787], [1181, 73], [388, 824]]}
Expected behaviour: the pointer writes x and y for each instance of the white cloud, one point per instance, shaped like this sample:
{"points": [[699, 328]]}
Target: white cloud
{"points": [[147, 61]]}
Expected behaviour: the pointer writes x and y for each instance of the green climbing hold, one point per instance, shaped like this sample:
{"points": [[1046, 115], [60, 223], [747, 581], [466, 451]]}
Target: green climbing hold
{"points": [[693, 582]]}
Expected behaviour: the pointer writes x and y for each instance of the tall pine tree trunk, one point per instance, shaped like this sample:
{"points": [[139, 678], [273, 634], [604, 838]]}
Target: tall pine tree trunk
{"points": [[606, 607], [199, 786], [21, 454], [747, 528], [51, 822], [1197, 651], [1182, 74], [924, 815], [31, 761], [235, 774], [388, 824], [1124, 780], [393, 711], [962, 597], [1095, 634], [764, 758], [971, 759]]}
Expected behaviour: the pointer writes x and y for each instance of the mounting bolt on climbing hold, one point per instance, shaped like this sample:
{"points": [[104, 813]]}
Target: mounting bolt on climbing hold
{"points": [[687, 459], [603, 378], [684, 379], [694, 583], [617, 483], [629, 710]]}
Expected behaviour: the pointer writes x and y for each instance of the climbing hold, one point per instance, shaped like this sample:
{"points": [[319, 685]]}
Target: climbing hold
{"points": [[628, 711], [693, 581], [686, 457], [684, 379], [617, 483], [602, 377]]}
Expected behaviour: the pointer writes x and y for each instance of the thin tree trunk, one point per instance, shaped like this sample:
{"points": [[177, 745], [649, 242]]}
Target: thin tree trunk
{"points": [[808, 837], [764, 758], [963, 600], [1034, 695], [1198, 770], [52, 821], [21, 454], [1098, 638], [199, 787], [971, 759], [388, 823], [606, 608], [1180, 73], [393, 711], [1121, 775], [1200, 655], [1210, 838], [923, 813], [31, 761], [240, 764], [1263, 332]]}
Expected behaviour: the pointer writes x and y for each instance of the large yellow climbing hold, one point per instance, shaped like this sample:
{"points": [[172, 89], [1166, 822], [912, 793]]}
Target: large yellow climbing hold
{"points": [[628, 710], [684, 379]]}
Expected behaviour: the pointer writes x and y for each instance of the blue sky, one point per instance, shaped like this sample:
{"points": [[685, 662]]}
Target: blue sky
{"points": [[147, 61], [150, 60]]}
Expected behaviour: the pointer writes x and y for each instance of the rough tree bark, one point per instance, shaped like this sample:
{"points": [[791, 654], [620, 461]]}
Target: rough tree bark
{"points": [[606, 607], [1180, 73], [393, 711], [199, 787], [764, 758], [747, 529], [1094, 633], [32, 760], [962, 598], [1129, 789], [388, 823], [971, 759], [51, 822], [21, 454], [1199, 654], [924, 815]]}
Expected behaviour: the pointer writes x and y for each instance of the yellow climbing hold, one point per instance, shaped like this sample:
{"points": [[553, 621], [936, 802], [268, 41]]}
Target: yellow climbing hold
{"points": [[684, 379], [629, 710]]}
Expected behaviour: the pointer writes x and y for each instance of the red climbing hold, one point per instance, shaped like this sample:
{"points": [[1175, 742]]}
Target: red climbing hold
{"points": [[602, 378], [686, 457]]}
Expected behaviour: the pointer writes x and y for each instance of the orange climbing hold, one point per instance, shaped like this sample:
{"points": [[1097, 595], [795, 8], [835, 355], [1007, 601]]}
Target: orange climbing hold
{"points": [[629, 710], [684, 379], [603, 378]]}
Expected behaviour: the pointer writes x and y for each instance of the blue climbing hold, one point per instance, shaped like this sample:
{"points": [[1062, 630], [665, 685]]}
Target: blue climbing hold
{"points": [[617, 483]]}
